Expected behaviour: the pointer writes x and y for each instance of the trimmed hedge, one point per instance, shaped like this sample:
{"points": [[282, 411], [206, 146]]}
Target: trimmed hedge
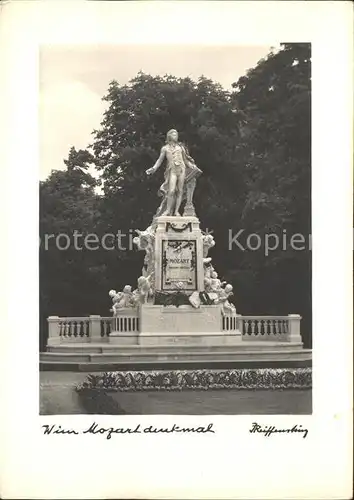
{"points": [[177, 380]]}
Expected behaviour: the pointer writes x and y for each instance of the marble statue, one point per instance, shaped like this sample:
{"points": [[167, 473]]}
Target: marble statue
{"points": [[122, 299], [145, 241], [216, 284], [127, 296], [224, 294], [180, 177], [143, 291], [208, 243], [116, 300], [179, 183]]}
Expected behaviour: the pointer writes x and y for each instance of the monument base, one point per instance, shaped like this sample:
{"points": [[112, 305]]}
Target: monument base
{"points": [[189, 339], [156, 319], [184, 325], [126, 338]]}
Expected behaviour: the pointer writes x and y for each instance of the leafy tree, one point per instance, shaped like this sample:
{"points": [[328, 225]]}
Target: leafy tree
{"points": [[274, 99], [72, 282]]}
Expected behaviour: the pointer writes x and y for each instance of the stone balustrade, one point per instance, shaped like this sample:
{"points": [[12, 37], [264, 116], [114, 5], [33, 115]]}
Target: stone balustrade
{"points": [[282, 328], [97, 328]]}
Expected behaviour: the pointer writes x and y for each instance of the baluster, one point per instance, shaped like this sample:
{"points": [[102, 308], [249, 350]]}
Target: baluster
{"points": [[253, 326], [65, 329], [266, 327], [286, 326], [60, 329], [74, 327], [276, 327], [261, 327], [246, 325], [271, 327], [257, 327]]}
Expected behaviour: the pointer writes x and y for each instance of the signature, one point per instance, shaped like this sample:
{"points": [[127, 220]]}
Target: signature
{"points": [[271, 429]]}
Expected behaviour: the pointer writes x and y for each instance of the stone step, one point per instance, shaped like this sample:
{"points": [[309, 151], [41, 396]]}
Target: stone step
{"points": [[175, 356], [133, 349], [74, 366]]}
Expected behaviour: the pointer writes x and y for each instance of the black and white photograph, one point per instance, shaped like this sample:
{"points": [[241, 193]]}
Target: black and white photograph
{"points": [[175, 229], [177, 254]]}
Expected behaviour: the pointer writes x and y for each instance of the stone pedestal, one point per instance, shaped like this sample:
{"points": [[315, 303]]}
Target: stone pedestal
{"points": [[184, 325], [178, 254], [183, 320], [126, 338]]}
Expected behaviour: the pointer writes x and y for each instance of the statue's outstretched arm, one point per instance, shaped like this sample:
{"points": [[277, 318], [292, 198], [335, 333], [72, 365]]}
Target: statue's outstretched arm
{"points": [[158, 163]]}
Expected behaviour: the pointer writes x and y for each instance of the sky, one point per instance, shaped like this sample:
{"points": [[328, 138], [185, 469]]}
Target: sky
{"points": [[73, 80]]}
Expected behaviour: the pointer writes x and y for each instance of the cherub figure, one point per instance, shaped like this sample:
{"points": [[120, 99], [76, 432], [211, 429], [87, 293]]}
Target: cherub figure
{"points": [[145, 241], [117, 301], [223, 299], [127, 296], [144, 289], [208, 242]]}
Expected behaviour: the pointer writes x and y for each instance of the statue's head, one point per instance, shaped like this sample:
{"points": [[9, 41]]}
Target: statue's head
{"points": [[112, 293], [172, 135], [127, 289], [228, 288]]}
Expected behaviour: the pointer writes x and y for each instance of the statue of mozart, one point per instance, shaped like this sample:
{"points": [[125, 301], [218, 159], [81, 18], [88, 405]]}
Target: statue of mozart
{"points": [[180, 177]]}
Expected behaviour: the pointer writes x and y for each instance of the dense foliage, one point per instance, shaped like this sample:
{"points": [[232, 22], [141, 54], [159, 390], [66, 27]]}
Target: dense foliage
{"points": [[254, 147]]}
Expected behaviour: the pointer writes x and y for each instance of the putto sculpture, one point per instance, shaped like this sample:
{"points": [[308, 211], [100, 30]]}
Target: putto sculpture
{"points": [[180, 177]]}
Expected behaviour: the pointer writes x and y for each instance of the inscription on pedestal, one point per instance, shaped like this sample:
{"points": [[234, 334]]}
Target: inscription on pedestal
{"points": [[179, 268]]}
